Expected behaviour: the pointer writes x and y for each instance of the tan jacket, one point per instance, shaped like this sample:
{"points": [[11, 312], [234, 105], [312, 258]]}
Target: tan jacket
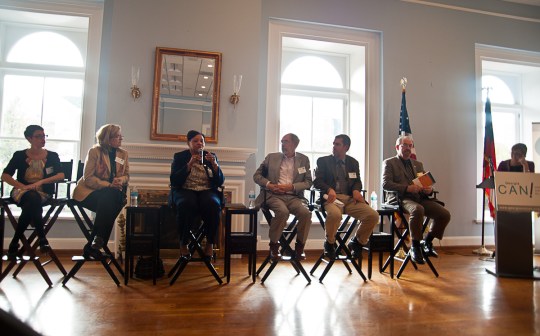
{"points": [[97, 170]]}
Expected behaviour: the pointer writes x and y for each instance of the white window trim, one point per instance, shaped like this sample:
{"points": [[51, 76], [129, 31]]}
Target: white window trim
{"points": [[94, 11], [496, 54], [372, 42]]}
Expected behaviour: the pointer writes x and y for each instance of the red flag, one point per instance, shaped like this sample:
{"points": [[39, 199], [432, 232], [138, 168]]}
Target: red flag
{"points": [[489, 156]]}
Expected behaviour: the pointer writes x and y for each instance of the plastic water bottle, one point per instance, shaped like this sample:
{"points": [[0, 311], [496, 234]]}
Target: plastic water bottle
{"points": [[251, 198], [134, 197], [373, 200]]}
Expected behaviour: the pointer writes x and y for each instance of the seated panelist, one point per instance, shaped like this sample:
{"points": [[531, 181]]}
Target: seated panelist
{"points": [[37, 169], [398, 173], [102, 188], [517, 162], [195, 179], [283, 177], [338, 176]]}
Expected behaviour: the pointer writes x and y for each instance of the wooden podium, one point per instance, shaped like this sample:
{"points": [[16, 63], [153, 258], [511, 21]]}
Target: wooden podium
{"points": [[517, 195]]}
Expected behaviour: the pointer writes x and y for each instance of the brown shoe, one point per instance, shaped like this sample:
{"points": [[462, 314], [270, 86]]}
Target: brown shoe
{"points": [[299, 251], [274, 251]]}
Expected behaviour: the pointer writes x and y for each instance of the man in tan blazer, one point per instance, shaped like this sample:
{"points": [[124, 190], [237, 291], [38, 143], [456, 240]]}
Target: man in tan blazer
{"points": [[398, 173], [283, 177]]}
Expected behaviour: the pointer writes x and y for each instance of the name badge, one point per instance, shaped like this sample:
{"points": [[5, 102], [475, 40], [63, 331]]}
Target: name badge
{"points": [[302, 170], [119, 160], [352, 175], [49, 170]]}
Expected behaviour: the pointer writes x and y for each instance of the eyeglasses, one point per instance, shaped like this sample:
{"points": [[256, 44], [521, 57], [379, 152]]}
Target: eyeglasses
{"points": [[40, 136], [406, 145]]}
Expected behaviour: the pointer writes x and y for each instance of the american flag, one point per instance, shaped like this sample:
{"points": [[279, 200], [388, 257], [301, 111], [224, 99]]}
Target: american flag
{"points": [[404, 126], [489, 156]]}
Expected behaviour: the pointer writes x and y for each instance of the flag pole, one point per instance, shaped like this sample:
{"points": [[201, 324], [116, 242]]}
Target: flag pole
{"points": [[487, 182]]}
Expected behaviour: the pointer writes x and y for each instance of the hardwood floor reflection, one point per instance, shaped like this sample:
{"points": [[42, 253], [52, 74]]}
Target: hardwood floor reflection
{"points": [[464, 300]]}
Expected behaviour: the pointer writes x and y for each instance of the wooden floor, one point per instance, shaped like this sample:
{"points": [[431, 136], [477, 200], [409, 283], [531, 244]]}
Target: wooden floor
{"points": [[464, 300]]}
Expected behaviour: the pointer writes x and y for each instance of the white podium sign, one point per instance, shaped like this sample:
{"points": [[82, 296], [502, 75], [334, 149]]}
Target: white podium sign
{"points": [[517, 191]]}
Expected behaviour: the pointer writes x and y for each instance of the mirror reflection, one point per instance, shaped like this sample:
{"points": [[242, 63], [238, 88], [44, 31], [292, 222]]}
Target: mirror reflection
{"points": [[186, 94]]}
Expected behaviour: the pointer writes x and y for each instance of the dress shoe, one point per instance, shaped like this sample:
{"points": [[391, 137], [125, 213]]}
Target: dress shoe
{"points": [[356, 249], [416, 255], [329, 250], [427, 248], [97, 243], [274, 251], [299, 251], [44, 246]]}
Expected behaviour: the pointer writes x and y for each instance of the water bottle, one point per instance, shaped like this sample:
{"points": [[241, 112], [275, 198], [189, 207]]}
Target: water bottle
{"points": [[134, 197], [373, 200], [251, 198]]}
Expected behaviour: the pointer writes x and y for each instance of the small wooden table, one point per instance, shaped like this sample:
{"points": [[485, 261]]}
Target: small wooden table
{"points": [[241, 242]]}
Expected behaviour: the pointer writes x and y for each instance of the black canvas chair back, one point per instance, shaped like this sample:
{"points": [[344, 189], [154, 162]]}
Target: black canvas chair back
{"points": [[287, 238], [345, 230], [86, 226], [29, 245], [195, 247], [403, 234]]}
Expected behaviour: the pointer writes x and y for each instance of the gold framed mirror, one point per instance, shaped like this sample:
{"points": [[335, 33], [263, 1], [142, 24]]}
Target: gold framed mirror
{"points": [[186, 94]]}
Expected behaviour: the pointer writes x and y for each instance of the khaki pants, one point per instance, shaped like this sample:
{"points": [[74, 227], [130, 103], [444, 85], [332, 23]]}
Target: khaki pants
{"points": [[364, 213], [283, 206]]}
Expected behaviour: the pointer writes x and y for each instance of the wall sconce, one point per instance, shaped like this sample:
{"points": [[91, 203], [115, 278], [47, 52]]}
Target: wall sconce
{"points": [[135, 92], [235, 98]]}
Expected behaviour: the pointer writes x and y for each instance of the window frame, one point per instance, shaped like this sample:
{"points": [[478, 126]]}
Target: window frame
{"points": [[370, 153]]}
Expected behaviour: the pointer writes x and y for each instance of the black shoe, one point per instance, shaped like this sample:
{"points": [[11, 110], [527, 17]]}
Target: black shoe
{"points": [[356, 249], [416, 255], [92, 253], [329, 250], [427, 248], [44, 246]]}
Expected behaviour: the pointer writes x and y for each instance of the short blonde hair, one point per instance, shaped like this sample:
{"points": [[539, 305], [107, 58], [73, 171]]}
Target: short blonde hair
{"points": [[104, 135]]}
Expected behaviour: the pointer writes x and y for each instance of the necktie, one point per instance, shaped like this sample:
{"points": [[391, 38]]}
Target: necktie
{"points": [[341, 180]]}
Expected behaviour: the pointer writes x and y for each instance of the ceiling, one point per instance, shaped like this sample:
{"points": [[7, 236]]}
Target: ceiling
{"points": [[187, 76]]}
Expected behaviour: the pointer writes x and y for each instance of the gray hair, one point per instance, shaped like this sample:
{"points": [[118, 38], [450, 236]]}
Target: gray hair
{"points": [[400, 139]]}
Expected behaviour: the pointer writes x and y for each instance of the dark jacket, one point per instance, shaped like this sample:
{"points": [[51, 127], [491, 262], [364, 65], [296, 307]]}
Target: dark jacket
{"points": [[325, 174], [179, 171]]}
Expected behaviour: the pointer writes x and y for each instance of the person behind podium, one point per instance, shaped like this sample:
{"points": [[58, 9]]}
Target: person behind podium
{"points": [[283, 177], [517, 162], [102, 188], [195, 179], [338, 176], [398, 175], [37, 168]]}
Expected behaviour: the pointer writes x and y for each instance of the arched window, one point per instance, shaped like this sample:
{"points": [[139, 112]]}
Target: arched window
{"points": [[307, 108], [46, 48], [301, 72], [42, 83], [499, 92]]}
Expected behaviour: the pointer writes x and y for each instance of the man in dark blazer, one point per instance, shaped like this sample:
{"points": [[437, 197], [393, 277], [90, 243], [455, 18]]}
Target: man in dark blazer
{"points": [[398, 173], [338, 177], [283, 177]]}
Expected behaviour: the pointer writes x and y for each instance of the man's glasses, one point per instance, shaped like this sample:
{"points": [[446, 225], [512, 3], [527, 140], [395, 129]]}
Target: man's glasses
{"points": [[406, 145]]}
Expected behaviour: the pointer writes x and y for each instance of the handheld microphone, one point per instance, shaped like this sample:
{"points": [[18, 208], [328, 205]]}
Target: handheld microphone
{"points": [[201, 153]]}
